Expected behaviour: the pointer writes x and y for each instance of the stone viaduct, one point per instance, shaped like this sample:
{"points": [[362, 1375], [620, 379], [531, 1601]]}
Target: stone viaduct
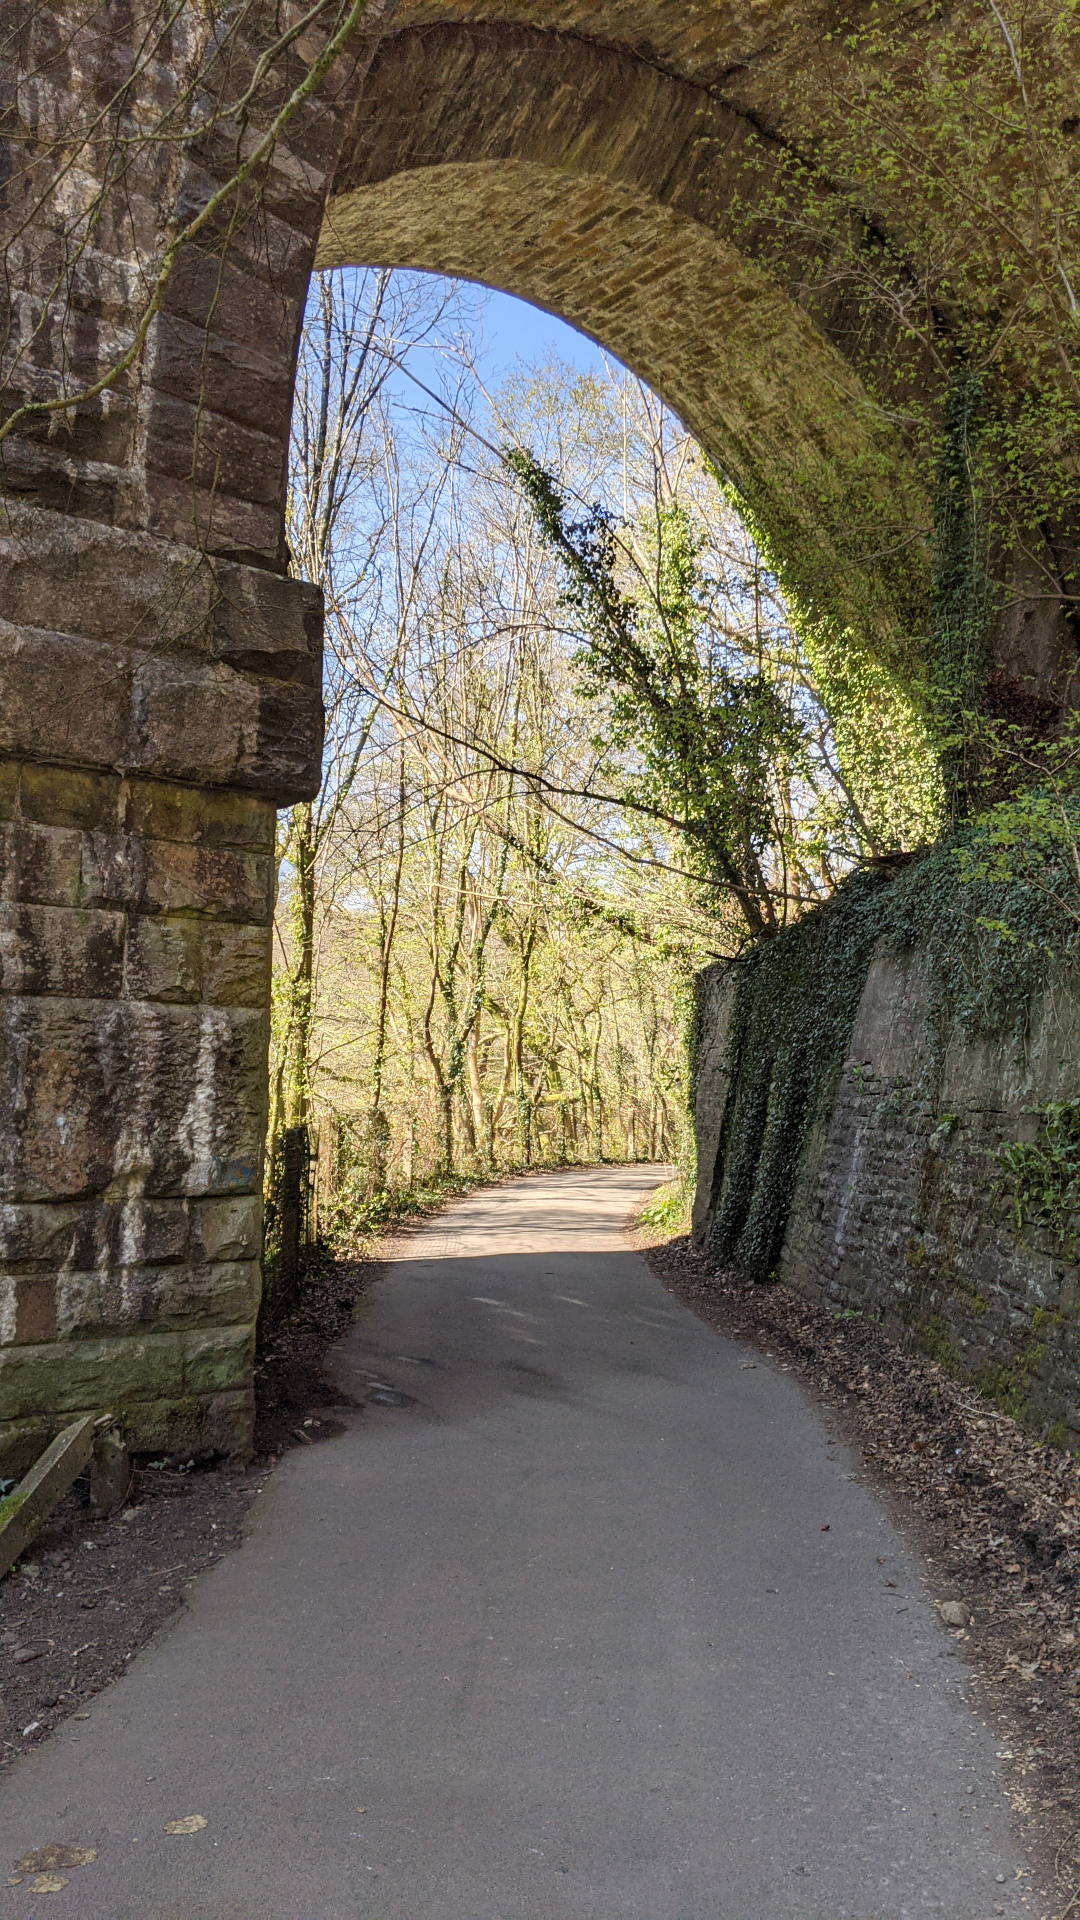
{"points": [[159, 670]]}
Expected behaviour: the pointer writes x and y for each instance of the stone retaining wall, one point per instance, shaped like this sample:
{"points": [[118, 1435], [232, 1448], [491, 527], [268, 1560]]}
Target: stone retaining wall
{"points": [[897, 1209]]}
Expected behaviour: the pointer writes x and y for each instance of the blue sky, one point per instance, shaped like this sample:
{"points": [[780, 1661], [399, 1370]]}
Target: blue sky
{"points": [[515, 330], [504, 332]]}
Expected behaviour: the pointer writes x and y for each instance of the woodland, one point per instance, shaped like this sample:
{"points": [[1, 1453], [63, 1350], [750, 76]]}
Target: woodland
{"points": [[575, 750]]}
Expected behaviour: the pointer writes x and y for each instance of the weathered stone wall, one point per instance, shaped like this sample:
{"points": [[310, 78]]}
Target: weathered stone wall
{"points": [[134, 965], [896, 1209], [159, 697], [135, 914]]}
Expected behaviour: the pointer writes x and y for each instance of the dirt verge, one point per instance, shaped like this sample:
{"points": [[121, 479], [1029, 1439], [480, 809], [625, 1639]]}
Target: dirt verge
{"points": [[993, 1513], [89, 1593]]}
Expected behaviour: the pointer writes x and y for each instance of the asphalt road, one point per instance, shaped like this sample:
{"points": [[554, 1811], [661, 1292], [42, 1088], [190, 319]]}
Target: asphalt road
{"points": [[565, 1638]]}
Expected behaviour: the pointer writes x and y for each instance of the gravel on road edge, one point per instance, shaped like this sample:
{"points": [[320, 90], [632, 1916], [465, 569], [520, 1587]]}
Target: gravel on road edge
{"points": [[992, 1512]]}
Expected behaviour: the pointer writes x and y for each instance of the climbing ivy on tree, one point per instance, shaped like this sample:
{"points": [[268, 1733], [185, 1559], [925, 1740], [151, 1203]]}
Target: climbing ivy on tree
{"points": [[714, 748]]}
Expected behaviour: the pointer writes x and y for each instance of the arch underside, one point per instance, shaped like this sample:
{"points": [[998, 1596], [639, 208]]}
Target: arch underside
{"points": [[615, 188], [614, 194], [773, 404]]}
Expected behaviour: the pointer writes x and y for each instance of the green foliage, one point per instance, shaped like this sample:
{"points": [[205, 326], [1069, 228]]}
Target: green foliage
{"points": [[668, 1209], [1009, 1386], [879, 699], [930, 179], [1031, 838], [961, 596], [1042, 1176], [10, 1506], [938, 183], [714, 741], [795, 1005]]}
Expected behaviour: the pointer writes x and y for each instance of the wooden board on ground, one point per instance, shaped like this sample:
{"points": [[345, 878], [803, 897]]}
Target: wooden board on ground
{"points": [[23, 1511]]}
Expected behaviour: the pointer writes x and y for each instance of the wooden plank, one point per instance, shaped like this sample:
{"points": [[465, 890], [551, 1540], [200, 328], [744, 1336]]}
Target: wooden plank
{"points": [[23, 1511]]}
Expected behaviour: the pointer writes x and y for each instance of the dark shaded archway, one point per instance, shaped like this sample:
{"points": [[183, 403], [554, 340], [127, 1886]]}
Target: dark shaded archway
{"points": [[160, 674]]}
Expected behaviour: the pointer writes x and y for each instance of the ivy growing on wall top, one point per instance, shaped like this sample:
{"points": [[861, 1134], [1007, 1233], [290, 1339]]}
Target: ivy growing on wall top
{"points": [[987, 928]]}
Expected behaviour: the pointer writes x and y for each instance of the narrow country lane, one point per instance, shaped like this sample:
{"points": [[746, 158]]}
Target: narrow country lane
{"points": [[596, 1627]]}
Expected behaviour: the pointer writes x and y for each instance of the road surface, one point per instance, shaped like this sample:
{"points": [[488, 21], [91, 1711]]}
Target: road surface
{"points": [[564, 1637]]}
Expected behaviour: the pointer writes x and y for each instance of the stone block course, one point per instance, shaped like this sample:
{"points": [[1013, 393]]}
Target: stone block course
{"points": [[117, 1299], [40, 865], [66, 797], [73, 1376], [62, 951], [152, 876], [158, 811], [169, 1390], [192, 1119]]}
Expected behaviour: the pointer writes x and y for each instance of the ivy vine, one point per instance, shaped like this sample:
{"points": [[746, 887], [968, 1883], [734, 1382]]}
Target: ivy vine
{"points": [[1042, 1176], [986, 939]]}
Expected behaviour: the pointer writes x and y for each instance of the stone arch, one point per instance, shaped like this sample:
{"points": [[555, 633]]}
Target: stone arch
{"points": [[160, 673], [599, 186]]}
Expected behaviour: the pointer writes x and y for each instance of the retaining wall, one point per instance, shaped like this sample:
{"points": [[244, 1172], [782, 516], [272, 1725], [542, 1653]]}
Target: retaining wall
{"points": [[897, 1208]]}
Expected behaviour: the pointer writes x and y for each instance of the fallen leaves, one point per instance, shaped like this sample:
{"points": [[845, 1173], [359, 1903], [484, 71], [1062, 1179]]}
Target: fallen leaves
{"points": [[48, 1883], [47, 1859], [192, 1823]]}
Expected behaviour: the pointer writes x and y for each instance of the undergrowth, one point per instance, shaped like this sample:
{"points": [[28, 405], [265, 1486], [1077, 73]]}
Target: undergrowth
{"points": [[667, 1211]]}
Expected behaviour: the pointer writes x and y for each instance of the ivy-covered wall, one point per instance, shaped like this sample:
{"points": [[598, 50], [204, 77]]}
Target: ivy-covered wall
{"points": [[887, 1116]]}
